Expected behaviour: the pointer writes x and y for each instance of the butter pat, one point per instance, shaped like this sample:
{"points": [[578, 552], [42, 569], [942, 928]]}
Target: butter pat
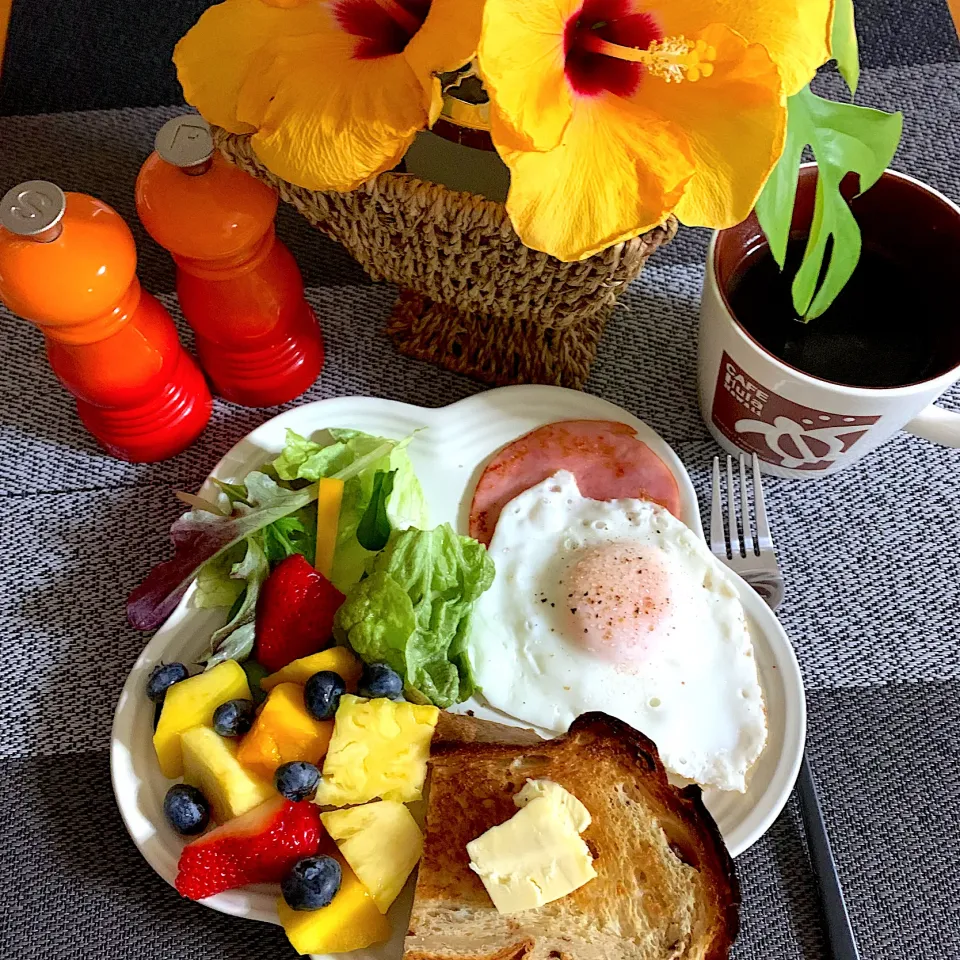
{"points": [[556, 794], [538, 855]]}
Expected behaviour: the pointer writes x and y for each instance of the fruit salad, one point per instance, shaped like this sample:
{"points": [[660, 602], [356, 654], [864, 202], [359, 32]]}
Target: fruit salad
{"points": [[264, 789]]}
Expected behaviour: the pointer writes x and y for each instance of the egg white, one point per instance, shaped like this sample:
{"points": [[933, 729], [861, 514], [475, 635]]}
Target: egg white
{"points": [[696, 692]]}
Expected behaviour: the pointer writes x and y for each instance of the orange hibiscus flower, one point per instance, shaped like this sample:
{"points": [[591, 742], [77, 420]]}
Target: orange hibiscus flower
{"points": [[332, 92]]}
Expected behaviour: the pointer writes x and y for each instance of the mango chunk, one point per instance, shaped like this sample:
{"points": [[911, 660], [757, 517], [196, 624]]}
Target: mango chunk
{"points": [[379, 749], [284, 731], [210, 764], [191, 703], [382, 843], [351, 922], [338, 659]]}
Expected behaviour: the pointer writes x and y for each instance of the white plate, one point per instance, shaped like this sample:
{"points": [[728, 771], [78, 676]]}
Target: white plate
{"points": [[448, 458]]}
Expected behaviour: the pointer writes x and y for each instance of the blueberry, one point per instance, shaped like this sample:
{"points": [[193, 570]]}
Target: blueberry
{"points": [[234, 718], [186, 809], [322, 693], [312, 883], [297, 780], [379, 680], [162, 677]]}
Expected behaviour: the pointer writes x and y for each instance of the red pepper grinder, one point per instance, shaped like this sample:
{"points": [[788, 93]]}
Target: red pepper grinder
{"points": [[67, 264], [239, 287]]}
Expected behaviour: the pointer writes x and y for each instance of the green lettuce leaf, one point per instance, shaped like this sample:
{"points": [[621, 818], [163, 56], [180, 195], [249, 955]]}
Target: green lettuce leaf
{"points": [[234, 492], [303, 459], [234, 640], [844, 139], [215, 585], [413, 611], [294, 533]]}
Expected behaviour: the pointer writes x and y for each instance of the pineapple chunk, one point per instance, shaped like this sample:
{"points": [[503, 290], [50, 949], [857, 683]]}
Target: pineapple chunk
{"points": [[382, 843], [351, 922], [284, 731], [338, 659], [210, 764], [191, 703], [379, 749]]}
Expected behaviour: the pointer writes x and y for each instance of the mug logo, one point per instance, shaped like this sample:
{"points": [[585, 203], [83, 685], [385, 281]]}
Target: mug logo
{"points": [[778, 430]]}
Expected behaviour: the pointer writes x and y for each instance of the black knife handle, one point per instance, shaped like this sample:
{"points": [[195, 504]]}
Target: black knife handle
{"points": [[841, 943]]}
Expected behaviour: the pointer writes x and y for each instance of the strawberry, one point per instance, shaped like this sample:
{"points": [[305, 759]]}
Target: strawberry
{"points": [[259, 847], [294, 614]]}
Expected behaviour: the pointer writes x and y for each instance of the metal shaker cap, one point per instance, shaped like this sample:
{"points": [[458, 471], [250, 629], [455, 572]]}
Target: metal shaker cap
{"points": [[185, 141], [32, 208]]}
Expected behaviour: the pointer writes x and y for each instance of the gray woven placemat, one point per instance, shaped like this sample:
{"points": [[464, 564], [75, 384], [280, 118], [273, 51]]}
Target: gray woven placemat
{"points": [[870, 556]]}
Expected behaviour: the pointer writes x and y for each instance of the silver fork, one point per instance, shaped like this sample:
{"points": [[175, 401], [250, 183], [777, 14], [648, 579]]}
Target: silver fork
{"points": [[752, 556], [747, 548]]}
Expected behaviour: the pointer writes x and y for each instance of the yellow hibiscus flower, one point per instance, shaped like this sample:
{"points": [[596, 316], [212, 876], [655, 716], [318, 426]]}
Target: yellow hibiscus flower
{"points": [[611, 114], [333, 91]]}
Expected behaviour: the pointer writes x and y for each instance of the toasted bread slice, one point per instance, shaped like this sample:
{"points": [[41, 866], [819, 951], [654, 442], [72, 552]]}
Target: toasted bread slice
{"points": [[665, 886], [459, 728]]}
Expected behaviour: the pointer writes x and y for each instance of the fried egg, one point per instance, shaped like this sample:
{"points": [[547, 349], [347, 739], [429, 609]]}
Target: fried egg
{"points": [[618, 606]]}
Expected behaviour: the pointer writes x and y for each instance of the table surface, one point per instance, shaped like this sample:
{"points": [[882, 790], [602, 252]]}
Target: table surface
{"points": [[870, 556]]}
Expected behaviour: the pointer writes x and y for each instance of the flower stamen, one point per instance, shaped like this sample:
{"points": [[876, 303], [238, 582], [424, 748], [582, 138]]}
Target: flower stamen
{"points": [[673, 58], [410, 23]]}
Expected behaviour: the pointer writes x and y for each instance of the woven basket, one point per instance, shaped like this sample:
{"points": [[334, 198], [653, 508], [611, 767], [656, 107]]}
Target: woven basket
{"points": [[472, 298]]}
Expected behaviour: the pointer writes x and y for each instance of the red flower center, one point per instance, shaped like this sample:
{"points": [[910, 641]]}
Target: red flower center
{"points": [[615, 21], [382, 27]]}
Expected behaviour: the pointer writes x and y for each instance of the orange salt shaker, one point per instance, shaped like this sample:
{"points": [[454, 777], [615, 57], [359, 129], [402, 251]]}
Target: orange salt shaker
{"points": [[67, 264], [239, 286]]}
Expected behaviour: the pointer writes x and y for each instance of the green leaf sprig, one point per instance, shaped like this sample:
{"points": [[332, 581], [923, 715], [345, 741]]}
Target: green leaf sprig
{"points": [[844, 138], [843, 40], [373, 531]]}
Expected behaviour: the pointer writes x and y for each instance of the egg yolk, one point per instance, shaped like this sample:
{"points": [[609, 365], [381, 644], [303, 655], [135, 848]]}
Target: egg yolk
{"points": [[618, 598]]}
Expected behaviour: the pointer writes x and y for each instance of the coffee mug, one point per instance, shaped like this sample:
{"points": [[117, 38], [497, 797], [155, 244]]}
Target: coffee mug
{"points": [[798, 424]]}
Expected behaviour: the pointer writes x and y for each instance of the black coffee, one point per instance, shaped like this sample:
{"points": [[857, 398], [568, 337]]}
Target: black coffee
{"points": [[891, 326]]}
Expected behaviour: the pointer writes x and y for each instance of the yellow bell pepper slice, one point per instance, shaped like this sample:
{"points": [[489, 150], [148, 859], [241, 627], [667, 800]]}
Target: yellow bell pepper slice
{"points": [[329, 497]]}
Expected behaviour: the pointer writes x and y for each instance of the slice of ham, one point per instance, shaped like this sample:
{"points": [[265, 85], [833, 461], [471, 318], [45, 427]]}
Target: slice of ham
{"points": [[606, 457]]}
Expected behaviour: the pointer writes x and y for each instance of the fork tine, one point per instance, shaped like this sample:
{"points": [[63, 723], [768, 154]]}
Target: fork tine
{"points": [[764, 540], [745, 510], [732, 510], [718, 539]]}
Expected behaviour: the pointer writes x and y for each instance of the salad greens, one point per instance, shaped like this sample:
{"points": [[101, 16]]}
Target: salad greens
{"points": [[405, 506], [215, 585], [234, 640], [200, 536], [413, 611], [206, 533], [295, 533]]}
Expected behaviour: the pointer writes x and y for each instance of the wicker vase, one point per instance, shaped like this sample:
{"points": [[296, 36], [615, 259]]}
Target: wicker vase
{"points": [[472, 298]]}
